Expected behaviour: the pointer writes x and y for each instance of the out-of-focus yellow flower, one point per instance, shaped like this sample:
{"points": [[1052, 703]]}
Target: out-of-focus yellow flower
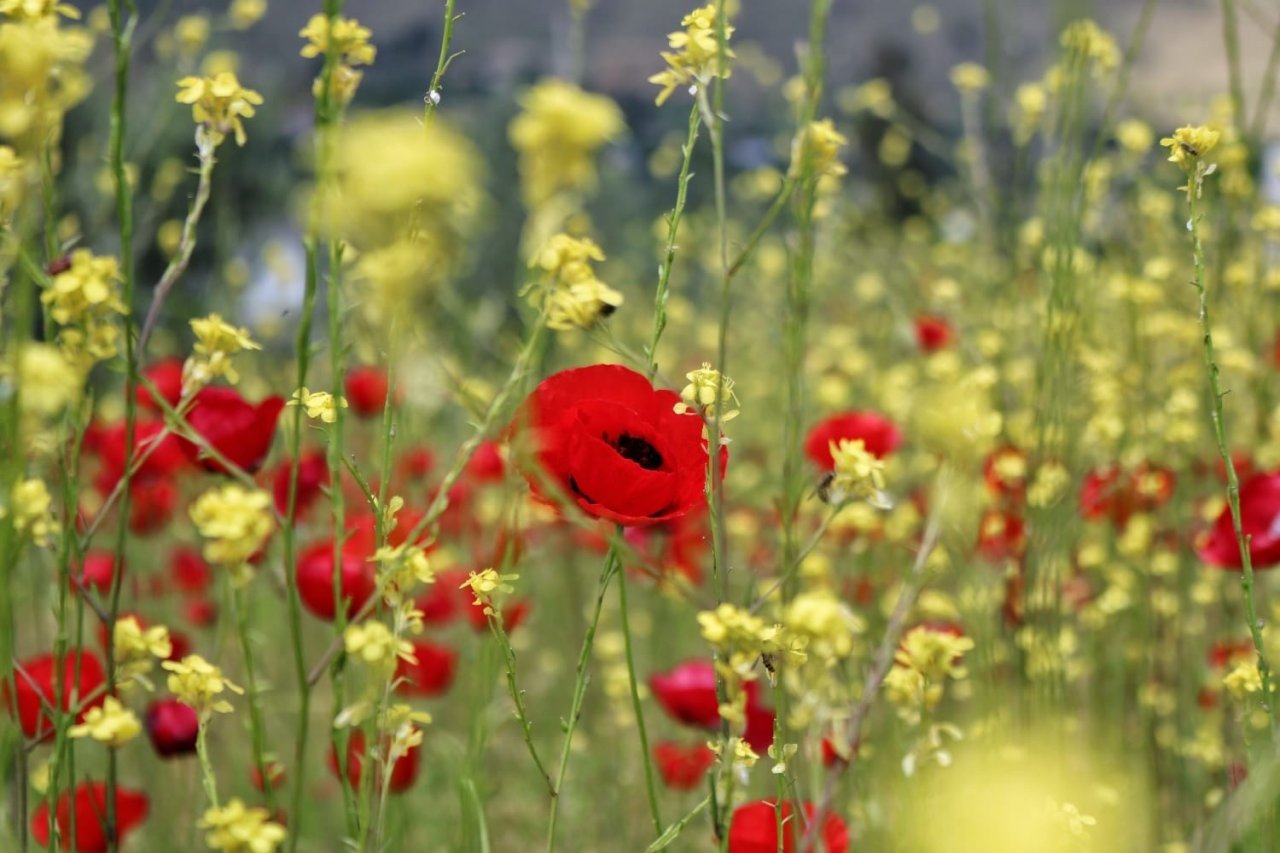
{"points": [[568, 289], [135, 648], [1092, 42], [219, 104], [344, 37], [49, 382], [236, 828], [191, 32], [874, 96], [31, 507], [12, 179], [1243, 681], [111, 724], [1029, 103], [37, 10], [198, 683], [234, 521], [1134, 136], [557, 134], [245, 13], [376, 647], [857, 472], [41, 72], [320, 405], [970, 77], [816, 150], [694, 58]]}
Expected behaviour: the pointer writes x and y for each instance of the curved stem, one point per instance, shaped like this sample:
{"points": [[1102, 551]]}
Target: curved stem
{"points": [[651, 788]]}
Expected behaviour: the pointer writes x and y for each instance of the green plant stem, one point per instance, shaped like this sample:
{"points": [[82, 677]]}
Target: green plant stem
{"points": [[499, 632], [207, 778], [1224, 451], [651, 787], [257, 729], [432, 100], [608, 570], [673, 229], [1231, 41], [1267, 89]]}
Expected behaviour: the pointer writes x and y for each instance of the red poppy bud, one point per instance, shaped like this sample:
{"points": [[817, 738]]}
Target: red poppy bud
{"points": [[172, 727], [90, 804]]}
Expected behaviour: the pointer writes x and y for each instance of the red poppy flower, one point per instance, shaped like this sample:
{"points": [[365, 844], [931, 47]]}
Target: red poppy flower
{"points": [[683, 768], [166, 375], [759, 731], [97, 572], [486, 464], [443, 600], [879, 435], [403, 773], [431, 675], [191, 574], [754, 829], [513, 614], [152, 501], [90, 804], [831, 756], [165, 455], [180, 645], [1001, 535], [275, 776], [239, 430], [933, 333], [677, 547], [1260, 519], [315, 578], [1225, 652], [313, 477], [172, 727], [1152, 485], [1005, 472], [367, 389], [688, 694], [200, 612], [615, 445], [1104, 494], [35, 688], [416, 464]]}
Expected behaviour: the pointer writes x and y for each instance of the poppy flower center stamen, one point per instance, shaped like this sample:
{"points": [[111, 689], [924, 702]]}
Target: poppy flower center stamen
{"points": [[638, 451]]}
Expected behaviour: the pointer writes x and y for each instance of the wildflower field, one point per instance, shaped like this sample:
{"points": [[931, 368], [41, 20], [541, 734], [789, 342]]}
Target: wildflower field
{"points": [[763, 462]]}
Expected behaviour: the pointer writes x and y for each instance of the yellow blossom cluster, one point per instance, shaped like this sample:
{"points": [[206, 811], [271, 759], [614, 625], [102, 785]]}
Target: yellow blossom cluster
{"points": [[857, 473], [925, 659], [348, 43], [403, 568], [815, 151], [694, 58], [708, 394], [84, 300], [49, 383], [198, 683], [376, 647], [488, 586], [216, 342], [557, 134], [219, 104], [320, 405], [568, 289], [236, 828], [31, 508], [12, 179], [135, 649], [41, 72], [235, 523], [110, 723], [1095, 44]]}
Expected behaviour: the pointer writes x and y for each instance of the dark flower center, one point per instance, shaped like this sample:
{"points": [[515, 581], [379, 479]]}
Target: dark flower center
{"points": [[638, 451]]}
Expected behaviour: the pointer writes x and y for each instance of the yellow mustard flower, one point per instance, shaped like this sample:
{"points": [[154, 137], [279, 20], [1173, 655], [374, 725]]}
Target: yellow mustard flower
{"points": [[219, 104], [111, 724], [234, 521], [198, 683], [236, 828]]}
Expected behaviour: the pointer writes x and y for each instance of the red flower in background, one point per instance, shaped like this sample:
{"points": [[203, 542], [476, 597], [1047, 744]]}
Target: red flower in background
{"points": [[754, 829], [403, 772], [1001, 535], [315, 578], [313, 476], [166, 375], [152, 501], [879, 435], [1152, 485], [932, 332], [1106, 494], [683, 768], [513, 614], [34, 680], [367, 389], [165, 455], [97, 572], [486, 464], [443, 600], [191, 574], [1005, 472], [172, 727], [432, 675], [615, 445], [90, 804], [416, 464], [688, 694], [1260, 519], [241, 431]]}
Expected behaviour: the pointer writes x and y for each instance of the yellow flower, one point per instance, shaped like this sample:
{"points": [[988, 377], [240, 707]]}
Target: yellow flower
{"points": [[816, 150], [49, 382], [1029, 104], [1243, 681], [32, 508], [41, 73], [90, 285], [1188, 144], [487, 586], [216, 342], [235, 828], [375, 646], [345, 38], [574, 298], [694, 58], [196, 682], [1089, 40], [321, 405], [37, 10], [1134, 136], [191, 32], [11, 182], [970, 77], [557, 133], [858, 473], [218, 104], [134, 647], [111, 724], [234, 521], [708, 393], [933, 654], [404, 567], [245, 13]]}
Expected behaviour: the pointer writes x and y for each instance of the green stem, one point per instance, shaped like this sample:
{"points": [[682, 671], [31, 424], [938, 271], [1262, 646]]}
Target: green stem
{"points": [[611, 566], [651, 788], [257, 729], [442, 63], [517, 695]]}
